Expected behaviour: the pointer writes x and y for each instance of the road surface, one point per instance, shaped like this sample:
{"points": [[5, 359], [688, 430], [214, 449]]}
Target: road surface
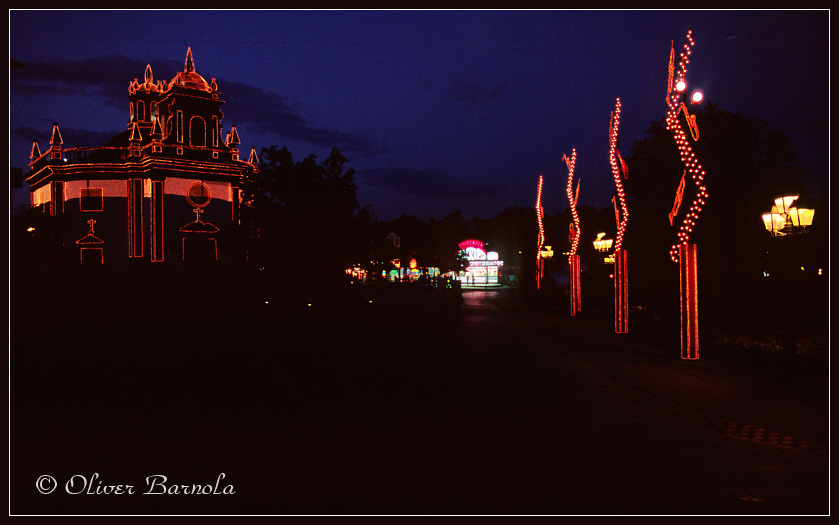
{"points": [[397, 406]]}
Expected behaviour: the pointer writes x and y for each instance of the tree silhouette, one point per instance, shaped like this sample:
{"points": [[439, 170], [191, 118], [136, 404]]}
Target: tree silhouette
{"points": [[300, 218], [747, 166]]}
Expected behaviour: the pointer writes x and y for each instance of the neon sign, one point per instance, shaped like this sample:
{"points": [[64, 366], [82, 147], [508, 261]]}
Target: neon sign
{"points": [[471, 243]]}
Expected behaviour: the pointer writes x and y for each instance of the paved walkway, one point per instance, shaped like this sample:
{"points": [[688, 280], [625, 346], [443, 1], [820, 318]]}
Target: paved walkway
{"points": [[402, 409]]}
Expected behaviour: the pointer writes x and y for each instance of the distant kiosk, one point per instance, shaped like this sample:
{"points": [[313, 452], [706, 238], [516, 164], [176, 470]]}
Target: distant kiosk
{"points": [[483, 265]]}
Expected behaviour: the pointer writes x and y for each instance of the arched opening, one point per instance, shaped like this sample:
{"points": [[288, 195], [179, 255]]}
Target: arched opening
{"points": [[197, 132]]}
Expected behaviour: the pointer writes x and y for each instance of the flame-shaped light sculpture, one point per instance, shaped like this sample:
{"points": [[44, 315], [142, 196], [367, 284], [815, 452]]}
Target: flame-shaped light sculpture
{"points": [[619, 171], [573, 234], [684, 252], [540, 262]]}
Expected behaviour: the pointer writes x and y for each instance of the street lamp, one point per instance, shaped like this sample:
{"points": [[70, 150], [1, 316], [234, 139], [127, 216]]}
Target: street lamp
{"points": [[601, 244], [785, 219], [604, 245]]}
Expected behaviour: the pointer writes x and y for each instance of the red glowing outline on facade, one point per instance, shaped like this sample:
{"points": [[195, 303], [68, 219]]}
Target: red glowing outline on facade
{"points": [[688, 158], [135, 217], [197, 228], [90, 243], [51, 168], [157, 237], [203, 188]]}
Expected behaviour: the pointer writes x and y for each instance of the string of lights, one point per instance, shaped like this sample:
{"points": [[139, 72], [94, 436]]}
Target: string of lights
{"points": [[677, 85], [540, 265], [618, 169], [574, 233]]}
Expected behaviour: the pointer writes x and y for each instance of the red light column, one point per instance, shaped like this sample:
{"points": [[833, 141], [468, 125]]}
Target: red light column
{"points": [[573, 234], [540, 263], [684, 252], [619, 170]]}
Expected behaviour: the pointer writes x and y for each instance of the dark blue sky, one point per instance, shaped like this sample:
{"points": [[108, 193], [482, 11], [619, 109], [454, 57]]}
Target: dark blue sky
{"points": [[436, 110]]}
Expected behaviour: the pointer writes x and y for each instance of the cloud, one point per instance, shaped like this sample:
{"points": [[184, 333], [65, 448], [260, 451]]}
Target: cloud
{"points": [[425, 182], [72, 137], [269, 114], [475, 96], [107, 78]]}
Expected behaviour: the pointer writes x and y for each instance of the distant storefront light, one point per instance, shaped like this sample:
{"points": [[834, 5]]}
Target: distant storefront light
{"points": [[483, 266]]}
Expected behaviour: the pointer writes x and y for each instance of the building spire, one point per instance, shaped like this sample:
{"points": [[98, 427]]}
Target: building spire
{"points": [[56, 140], [135, 133], [189, 66], [233, 137], [148, 75]]}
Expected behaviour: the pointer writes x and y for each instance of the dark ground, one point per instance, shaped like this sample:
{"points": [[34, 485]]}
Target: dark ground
{"points": [[399, 406]]}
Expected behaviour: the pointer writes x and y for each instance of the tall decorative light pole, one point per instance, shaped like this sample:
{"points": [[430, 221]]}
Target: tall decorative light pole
{"points": [[684, 252], [540, 261], [619, 170], [573, 234]]}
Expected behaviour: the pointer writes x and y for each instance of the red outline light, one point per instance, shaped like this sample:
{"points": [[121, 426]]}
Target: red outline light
{"points": [[540, 263], [683, 252], [619, 169], [573, 234]]}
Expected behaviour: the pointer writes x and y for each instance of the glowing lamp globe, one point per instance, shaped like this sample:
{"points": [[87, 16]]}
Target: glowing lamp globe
{"points": [[697, 97], [774, 222], [801, 216]]}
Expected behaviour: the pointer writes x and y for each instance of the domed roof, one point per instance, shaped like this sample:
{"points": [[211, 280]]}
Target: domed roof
{"points": [[188, 77]]}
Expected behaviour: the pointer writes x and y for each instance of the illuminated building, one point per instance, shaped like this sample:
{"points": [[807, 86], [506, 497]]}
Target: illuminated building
{"points": [[483, 265], [164, 191]]}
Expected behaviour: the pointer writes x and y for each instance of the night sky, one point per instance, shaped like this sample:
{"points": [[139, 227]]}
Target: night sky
{"points": [[436, 111]]}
